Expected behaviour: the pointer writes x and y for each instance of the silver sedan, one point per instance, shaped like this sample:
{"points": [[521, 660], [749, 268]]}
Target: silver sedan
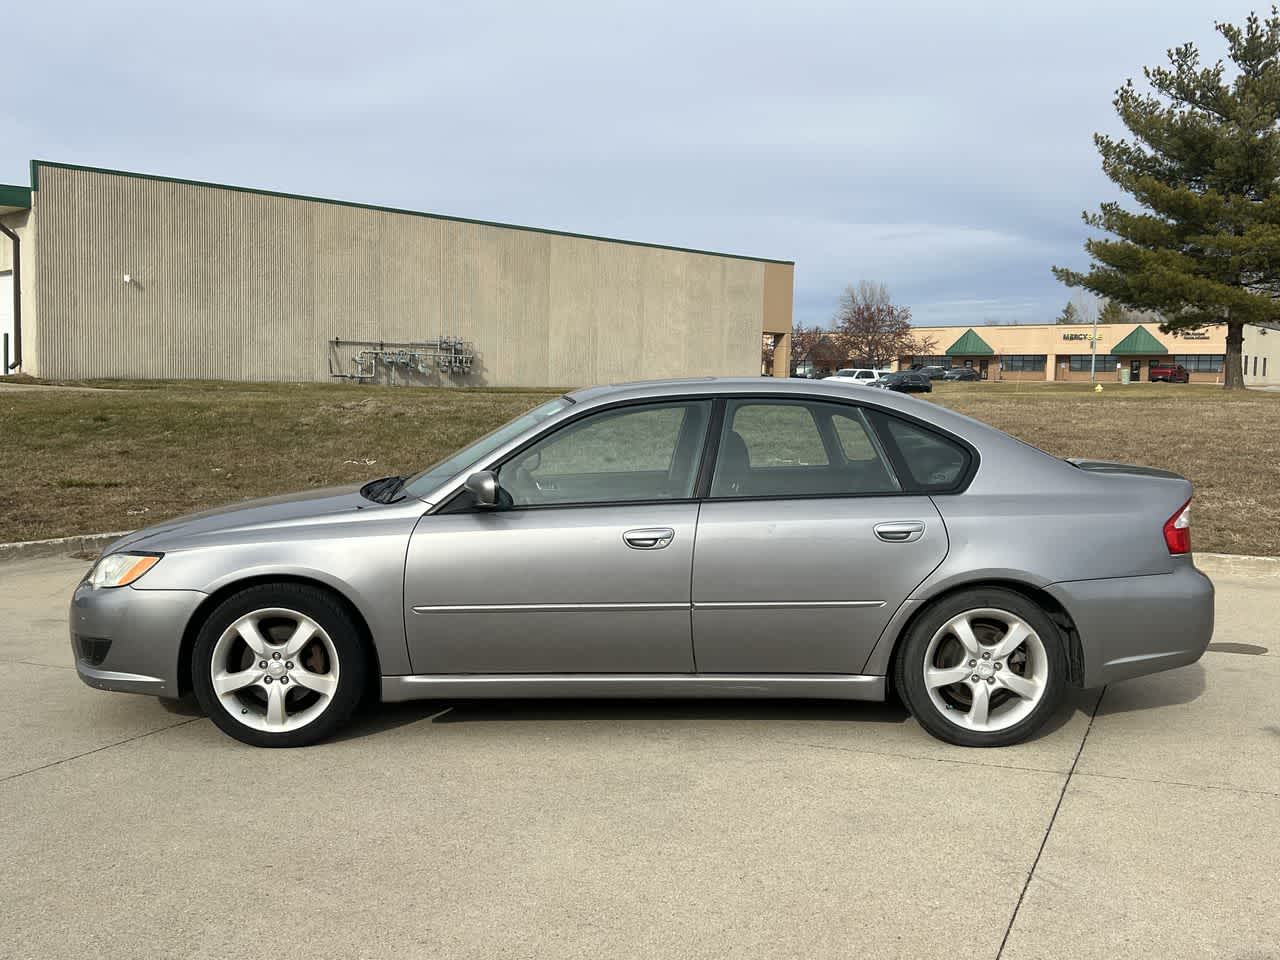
{"points": [[701, 538]]}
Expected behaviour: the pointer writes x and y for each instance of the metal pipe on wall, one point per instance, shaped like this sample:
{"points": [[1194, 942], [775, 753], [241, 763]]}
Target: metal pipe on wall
{"points": [[17, 298]]}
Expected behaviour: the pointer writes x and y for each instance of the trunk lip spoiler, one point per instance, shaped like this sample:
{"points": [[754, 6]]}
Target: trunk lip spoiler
{"points": [[1115, 466]]}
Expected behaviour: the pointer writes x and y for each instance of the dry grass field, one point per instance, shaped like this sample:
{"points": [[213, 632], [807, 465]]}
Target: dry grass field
{"points": [[131, 454], [1227, 444]]}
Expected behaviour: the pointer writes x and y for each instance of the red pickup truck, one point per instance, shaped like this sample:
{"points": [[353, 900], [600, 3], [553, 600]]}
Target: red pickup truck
{"points": [[1168, 373]]}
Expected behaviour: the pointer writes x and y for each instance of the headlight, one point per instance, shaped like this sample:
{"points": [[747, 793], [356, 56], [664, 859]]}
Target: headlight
{"points": [[121, 569]]}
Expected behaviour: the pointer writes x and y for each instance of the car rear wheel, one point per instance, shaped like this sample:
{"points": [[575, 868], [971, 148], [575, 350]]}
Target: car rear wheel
{"points": [[982, 668], [279, 665]]}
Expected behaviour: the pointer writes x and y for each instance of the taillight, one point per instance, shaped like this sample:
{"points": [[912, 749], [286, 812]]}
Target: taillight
{"points": [[1177, 530]]}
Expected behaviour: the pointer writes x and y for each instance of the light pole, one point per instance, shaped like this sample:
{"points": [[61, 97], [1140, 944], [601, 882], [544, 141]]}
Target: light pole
{"points": [[1093, 349]]}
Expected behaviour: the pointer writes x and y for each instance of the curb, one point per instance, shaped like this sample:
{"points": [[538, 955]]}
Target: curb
{"points": [[1239, 565], [57, 547]]}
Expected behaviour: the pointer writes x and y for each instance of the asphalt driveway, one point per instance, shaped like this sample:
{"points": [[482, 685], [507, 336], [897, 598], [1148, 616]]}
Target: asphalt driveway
{"points": [[1145, 823]]}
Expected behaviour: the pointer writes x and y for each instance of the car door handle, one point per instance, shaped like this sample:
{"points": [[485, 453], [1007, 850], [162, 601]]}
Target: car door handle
{"points": [[900, 531], [651, 538]]}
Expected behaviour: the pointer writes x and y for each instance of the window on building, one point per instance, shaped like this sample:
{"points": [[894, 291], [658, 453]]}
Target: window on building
{"points": [[1079, 362], [1024, 362], [1244, 363], [1200, 362], [941, 360], [1264, 366], [1255, 365]]}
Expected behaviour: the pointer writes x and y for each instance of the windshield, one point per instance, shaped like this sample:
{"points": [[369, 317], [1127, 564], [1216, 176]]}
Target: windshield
{"points": [[423, 483]]}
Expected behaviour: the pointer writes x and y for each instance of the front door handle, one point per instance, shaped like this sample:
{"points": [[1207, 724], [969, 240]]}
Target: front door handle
{"points": [[651, 538], [900, 531]]}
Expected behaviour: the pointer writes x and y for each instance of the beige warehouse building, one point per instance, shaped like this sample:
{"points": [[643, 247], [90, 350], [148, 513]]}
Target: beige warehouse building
{"points": [[134, 276], [1069, 351]]}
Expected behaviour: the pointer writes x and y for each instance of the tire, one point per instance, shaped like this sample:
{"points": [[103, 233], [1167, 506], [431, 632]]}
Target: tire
{"points": [[1021, 685], [315, 673]]}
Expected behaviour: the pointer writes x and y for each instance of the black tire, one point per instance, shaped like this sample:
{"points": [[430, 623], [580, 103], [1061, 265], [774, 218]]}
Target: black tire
{"points": [[909, 666], [343, 632]]}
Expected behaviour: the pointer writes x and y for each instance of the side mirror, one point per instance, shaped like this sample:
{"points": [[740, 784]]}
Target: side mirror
{"points": [[483, 487]]}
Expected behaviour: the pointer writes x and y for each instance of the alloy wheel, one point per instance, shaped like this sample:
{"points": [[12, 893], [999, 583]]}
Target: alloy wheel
{"points": [[986, 669], [274, 670]]}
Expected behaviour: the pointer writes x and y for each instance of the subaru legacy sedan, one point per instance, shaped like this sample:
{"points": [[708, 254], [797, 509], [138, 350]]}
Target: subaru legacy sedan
{"points": [[698, 538]]}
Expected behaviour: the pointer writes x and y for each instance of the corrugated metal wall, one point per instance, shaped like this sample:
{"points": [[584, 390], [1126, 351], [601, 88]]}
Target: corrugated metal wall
{"points": [[235, 285]]}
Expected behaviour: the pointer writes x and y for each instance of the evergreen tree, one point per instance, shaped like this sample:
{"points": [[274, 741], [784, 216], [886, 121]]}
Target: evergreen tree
{"points": [[1112, 312], [1203, 165], [1069, 314]]}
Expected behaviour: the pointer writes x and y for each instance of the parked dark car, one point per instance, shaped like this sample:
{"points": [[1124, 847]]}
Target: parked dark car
{"points": [[1168, 373], [913, 381], [963, 373], [932, 372]]}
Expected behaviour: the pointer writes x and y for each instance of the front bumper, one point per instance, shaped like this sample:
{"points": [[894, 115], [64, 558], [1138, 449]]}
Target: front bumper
{"points": [[1132, 626], [129, 639]]}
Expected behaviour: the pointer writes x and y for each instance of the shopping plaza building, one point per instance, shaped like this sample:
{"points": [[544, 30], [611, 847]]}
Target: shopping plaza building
{"points": [[1047, 351]]}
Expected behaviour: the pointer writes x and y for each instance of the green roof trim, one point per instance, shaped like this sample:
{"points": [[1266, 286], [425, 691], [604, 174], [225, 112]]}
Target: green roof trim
{"points": [[1139, 342], [35, 185], [11, 196], [970, 345]]}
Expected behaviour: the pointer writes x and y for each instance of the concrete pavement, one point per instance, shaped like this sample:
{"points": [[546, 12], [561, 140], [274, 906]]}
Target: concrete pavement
{"points": [[1145, 823]]}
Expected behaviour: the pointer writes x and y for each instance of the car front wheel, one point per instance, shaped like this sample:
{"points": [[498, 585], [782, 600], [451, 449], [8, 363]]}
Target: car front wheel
{"points": [[279, 665], [982, 668]]}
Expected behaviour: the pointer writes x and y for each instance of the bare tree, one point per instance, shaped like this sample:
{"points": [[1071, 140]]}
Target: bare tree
{"points": [[818, 347], [873, 329]]}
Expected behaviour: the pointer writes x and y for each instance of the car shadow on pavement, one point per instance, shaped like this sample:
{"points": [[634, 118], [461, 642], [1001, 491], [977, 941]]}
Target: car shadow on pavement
{"points": [[375, 718], [629, 710], [1168, 689], [372, 717], [182, 706]]}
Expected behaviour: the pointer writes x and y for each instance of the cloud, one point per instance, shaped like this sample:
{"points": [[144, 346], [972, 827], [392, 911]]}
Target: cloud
{"points": [[942, 148]]}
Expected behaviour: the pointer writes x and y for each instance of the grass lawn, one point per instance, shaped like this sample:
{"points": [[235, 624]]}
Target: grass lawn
{"points": [[133, 454]]}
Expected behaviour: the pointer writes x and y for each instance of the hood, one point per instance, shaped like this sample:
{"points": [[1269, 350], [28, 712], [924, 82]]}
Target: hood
{"points": [[288, 510]]}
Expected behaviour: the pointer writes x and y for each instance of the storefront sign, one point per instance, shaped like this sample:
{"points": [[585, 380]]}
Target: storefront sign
{"points": [[1193, 335], [1082, 336]]}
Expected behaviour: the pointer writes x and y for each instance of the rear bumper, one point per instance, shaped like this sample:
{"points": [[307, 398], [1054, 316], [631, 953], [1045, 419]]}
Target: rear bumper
{"points": [[1132, 626], [127, 639]]}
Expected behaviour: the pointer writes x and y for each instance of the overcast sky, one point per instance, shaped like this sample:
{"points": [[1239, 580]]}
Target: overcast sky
{"points": [[943, 148]]}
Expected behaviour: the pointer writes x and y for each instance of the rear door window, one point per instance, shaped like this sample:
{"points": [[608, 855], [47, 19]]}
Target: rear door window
{"points": [[798, 449]]}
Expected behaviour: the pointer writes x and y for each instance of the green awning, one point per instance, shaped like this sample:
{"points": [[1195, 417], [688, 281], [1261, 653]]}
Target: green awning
{"points": [[1139, 342], [970, 345], [14, 198]]}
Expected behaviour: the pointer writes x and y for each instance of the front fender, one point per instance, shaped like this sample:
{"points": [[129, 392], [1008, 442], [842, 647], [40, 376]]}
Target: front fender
{"points": [[367, 569]]}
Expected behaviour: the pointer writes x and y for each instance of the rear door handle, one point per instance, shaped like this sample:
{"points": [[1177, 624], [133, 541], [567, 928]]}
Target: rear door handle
{"points": [[651, 538], [900, 531]]}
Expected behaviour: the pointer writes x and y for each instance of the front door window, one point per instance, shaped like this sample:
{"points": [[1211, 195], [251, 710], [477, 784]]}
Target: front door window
{"points": [[636, 453]]}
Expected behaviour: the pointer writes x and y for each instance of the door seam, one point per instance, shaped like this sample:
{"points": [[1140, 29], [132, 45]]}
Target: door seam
{"points": [[693, 560]]}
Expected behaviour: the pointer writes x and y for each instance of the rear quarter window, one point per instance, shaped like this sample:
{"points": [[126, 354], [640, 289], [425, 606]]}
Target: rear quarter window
{"points": [[932, 462]]}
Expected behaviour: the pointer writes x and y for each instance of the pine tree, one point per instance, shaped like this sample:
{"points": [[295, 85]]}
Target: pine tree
{"points": [[1069, 314], [1204, 166], [1112, 312]]}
